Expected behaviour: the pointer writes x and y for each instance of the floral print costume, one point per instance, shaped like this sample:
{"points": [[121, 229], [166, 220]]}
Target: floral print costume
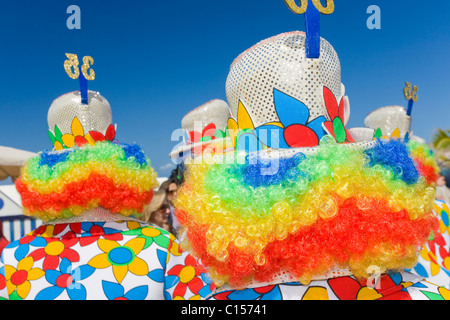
{"points": [[111, 260]]}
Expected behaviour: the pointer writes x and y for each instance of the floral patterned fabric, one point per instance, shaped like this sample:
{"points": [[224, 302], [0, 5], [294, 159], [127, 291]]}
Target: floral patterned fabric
{"points": [[395, 286], [100, 260]]}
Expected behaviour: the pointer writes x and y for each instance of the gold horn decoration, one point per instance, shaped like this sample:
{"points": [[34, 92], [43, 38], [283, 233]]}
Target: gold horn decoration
{"points": [[328, 9], [295, 8]]}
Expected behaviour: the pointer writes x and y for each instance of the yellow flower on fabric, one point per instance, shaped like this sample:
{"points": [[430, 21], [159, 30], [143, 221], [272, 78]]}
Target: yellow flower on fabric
{"points": [[19, 279], [77, 137], [123, 259]]}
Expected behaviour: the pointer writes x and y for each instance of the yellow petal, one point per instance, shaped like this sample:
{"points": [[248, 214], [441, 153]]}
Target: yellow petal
{"points": [[395, 134], [100, 261], [10, 287], [25, 264], [24, 289], [35, 274], [196, 297], [133, 225], [68, 140], [77, 128], [445, 293], [138, 267], [316, 293], [233, 130], [136, 244], [9, 271], [120, 272], [278, 124], [368, 293], [435, 268], [89, 139], [244, 120], [58, 145], [107, 245]]}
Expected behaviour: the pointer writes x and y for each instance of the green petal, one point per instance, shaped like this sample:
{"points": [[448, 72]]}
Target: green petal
{"points": [[162, 241], [58, 134], [219, 134], [339, 130], [378, 133], [203, 139], [52, 137]]}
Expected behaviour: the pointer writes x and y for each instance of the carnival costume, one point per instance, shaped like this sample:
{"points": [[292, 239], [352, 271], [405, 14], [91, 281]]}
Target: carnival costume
{"points": [[300, 209]]}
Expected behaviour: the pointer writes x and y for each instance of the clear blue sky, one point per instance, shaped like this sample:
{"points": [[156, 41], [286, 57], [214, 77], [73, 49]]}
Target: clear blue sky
{"points": [[157, 60]]}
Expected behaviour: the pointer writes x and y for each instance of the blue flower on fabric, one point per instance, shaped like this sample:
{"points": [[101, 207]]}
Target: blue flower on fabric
{"points": [[115, 291], [293, 130], [66, 279], [158, 275], [23, 245]]}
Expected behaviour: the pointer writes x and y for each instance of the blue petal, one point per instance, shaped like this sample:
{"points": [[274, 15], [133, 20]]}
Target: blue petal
{"points": [[138, 293], [38, 242], [162, 257], [50, 293], [52, 276], [246, 294], [272, 136], [157, 275], [274, 294], [290, 111], [21, 252], [421, 271], [316, 126], [77, 292], [170, 281], [65, 266], [82, 272], [112, 290]]}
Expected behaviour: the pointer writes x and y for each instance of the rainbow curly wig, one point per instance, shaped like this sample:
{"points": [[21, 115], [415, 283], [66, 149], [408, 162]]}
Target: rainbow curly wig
{"points": [[63, 184], [337, 208]]}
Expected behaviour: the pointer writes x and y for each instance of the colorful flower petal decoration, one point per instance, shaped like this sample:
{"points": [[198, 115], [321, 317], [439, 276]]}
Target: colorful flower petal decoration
{"points": [[78, 137], [294, 130], [241, 131], [336, 126], [210, 132], [18, 280]]}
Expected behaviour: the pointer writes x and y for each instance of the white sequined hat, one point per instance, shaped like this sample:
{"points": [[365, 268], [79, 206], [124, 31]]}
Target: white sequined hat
{"points": [[73, 123], [203, 126], [388, 119], [279, 99]]}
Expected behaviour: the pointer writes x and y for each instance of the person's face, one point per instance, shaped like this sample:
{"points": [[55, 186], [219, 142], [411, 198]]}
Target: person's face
{"points": [[172, 192], [161, 216]]}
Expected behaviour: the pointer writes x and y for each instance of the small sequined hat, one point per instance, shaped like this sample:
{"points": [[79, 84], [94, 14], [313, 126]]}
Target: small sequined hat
{"points": [[204, 127]]}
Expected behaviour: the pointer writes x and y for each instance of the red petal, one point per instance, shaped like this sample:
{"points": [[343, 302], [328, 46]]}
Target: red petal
{"points": [[298, 136], [330, 103], [263, 290], [345, 288], [110, 133], [209, 130], [71, 255], [85, 241], [175, 271], [194, 136], [341, 110], [195, 285], [97, 136], [349, 137], [37, 254], [180, 290], [59, 228], [50, 262], [80, 141]]}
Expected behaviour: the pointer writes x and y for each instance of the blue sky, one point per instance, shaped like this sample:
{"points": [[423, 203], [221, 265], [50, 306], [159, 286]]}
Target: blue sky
{"points": [[157, 60]]}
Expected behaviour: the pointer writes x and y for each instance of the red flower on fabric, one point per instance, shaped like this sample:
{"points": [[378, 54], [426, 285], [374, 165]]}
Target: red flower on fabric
{"points": [[208, 133], [348, 288], [189, 276], [54, 250], [336, 126]]}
